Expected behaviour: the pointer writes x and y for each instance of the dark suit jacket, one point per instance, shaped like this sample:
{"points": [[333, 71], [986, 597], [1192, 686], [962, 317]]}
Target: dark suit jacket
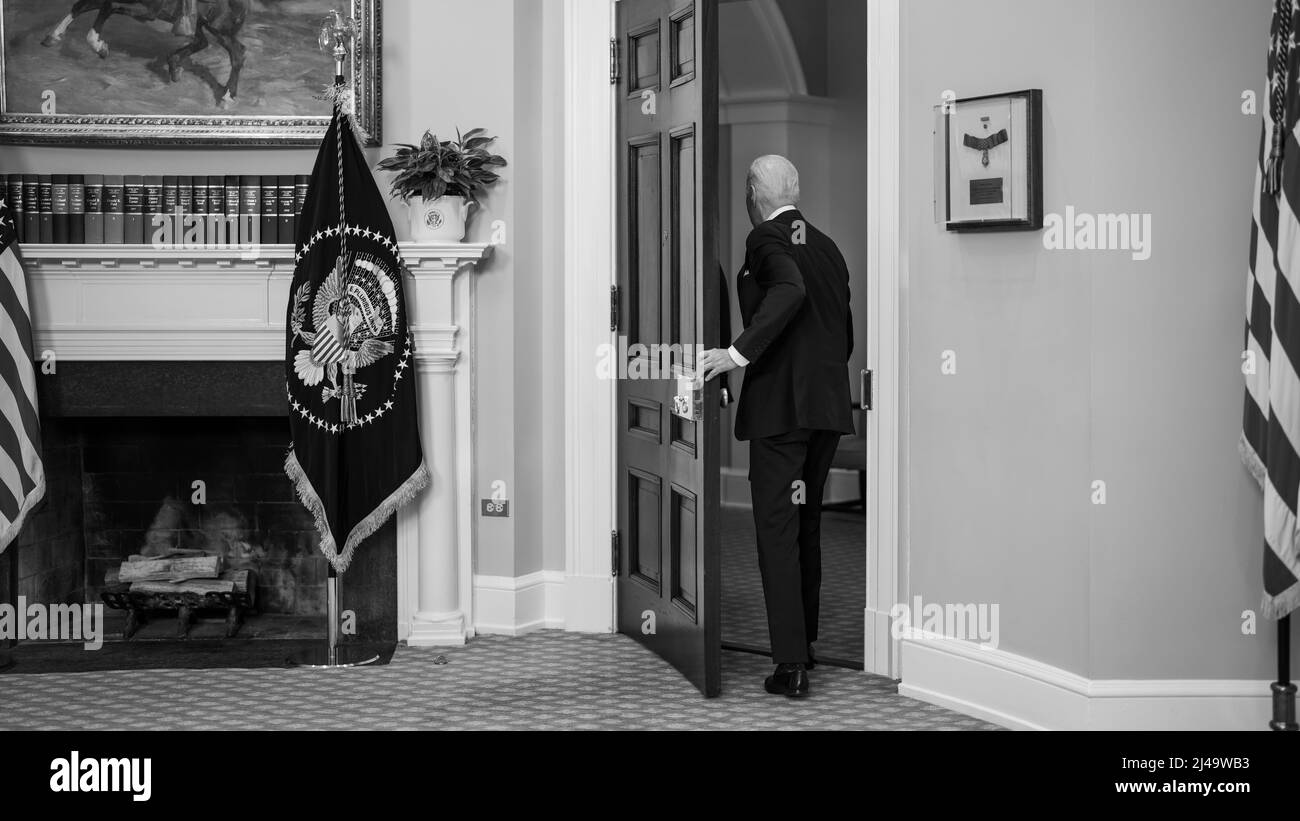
{"points": [[794, 300]]}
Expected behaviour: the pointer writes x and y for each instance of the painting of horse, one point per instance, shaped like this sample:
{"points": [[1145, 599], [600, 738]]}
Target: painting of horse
{"points": [[182, 63]]}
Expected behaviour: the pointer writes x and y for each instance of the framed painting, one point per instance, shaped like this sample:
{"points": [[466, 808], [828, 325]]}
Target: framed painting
{"points": [[992, 149], [208, 72]]}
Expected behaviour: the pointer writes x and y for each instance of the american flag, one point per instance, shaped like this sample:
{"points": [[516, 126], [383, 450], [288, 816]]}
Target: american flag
{"points": [[1270, 437], [22, 477]]}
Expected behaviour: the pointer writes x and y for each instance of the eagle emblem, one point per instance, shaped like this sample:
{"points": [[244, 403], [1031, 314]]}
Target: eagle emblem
{"points": [[352, 326]]}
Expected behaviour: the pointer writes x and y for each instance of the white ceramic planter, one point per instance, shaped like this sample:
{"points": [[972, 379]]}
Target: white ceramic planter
{"points": [[440, 219]]}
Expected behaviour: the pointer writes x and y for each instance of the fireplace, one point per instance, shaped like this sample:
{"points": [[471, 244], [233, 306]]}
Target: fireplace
{"points": [[165, 427]]}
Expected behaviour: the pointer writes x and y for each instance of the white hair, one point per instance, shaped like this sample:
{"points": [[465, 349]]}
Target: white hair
{"points": [[775, 180]]}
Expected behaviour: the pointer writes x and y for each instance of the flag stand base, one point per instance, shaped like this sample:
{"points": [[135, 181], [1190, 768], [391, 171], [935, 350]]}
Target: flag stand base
{"points": [[347, 655], [332, 654], [1284, 689]]}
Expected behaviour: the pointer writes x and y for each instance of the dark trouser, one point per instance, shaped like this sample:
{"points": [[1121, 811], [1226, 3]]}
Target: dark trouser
{"points": [[787, 522]]}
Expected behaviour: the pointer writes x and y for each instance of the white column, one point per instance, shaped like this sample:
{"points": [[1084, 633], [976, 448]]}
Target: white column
{"points": [[435, 533], [440, 618]]}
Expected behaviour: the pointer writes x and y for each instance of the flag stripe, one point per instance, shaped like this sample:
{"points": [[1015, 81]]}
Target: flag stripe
{"points": [[11, 452], [10, 480], [9, 508], [12, 303], [28, 455], [12, 376]]}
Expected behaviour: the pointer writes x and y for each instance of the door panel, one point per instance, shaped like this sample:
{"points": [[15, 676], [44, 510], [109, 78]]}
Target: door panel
{"points": [[669, 586]]}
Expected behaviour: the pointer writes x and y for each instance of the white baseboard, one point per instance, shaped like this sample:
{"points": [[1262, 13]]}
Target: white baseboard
{"points": [[841, 486], [514, 606], [1023, 694]]}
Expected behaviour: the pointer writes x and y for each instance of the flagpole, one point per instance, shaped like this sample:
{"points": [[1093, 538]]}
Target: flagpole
{"points": [[1284, 689], [335, 36]]}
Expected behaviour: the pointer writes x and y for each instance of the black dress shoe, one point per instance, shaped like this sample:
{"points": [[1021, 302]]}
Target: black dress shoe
{"points": [[788, 680], [812, 660]]}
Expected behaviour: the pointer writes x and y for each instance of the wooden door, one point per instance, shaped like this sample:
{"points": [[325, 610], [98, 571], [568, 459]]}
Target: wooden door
{"points": [[669, 590]]}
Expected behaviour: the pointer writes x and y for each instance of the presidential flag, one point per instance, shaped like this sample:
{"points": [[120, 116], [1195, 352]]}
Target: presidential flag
{"points": [[349, 356], [1270, 437], [22, 476]]}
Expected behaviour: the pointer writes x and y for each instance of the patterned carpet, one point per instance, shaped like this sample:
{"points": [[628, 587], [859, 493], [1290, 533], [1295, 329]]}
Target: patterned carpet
{"points": [[844, 580], [549, 680]]}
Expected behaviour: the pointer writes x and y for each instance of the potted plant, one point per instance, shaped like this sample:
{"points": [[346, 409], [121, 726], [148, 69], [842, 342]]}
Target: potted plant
{"points": [[447, 176]]}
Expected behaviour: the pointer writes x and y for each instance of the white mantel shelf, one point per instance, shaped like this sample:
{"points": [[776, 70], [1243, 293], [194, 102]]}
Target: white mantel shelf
{"points": [[136, 302]]}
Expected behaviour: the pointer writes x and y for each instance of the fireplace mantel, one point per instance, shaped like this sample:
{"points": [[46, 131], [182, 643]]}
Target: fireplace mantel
{"points": [[137, 303]]}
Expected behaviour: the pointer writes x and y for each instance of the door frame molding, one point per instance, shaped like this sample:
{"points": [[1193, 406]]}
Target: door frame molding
{"points": [[590, 269], [887, 552]]}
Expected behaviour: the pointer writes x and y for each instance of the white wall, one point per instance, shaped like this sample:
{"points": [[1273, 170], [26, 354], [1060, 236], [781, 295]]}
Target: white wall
{"points": [[1079, 366]]}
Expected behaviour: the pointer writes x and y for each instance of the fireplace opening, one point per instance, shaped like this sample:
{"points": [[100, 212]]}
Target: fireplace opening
{"points": [[136, 468]]}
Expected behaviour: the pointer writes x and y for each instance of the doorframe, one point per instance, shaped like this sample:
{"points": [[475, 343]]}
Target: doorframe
{"points": [[590, 271], [887, 553]]}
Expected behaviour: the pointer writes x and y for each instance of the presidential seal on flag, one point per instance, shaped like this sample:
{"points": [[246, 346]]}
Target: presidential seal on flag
{"points": [[356, 453]]}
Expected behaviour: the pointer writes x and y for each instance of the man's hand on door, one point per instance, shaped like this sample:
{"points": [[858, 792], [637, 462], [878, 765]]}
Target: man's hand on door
{"points": [[715, 362]]}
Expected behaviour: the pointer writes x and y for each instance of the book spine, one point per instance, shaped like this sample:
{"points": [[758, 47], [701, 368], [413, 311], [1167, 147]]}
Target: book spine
{"points": [[95, 208], [270, 209], [216, 210], [232, 210], [185, 210], [153, 209], [76, 209], [47, 207], [59, 208], [288, 225], [133, 209], [250, 211], [18, 211], [169, 200], [32, 206], [201, 210], [301, 185], [114, 209]]}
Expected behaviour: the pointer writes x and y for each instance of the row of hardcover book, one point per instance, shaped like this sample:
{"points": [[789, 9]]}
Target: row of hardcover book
{"points": [[215, 210]]}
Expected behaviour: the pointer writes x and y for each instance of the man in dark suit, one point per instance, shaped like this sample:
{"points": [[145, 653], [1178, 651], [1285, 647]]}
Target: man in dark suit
{"points": [[794, 404]]}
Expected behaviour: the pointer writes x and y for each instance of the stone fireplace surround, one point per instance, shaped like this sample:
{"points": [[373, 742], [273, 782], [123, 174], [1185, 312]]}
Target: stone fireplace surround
{"points": [[118, 318]]}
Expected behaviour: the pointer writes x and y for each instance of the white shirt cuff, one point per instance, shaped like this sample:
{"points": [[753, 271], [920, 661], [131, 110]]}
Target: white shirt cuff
{"points": [[737, 358]]}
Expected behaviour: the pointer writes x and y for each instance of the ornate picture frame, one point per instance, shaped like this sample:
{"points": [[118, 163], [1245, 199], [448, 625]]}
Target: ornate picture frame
{"points": [[992, 155], [140, 60]]}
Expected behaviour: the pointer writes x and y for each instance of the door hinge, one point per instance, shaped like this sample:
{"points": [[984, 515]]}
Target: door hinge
{"points": [[613, 61], [613, 553], [866, 384], [613, 309]]}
